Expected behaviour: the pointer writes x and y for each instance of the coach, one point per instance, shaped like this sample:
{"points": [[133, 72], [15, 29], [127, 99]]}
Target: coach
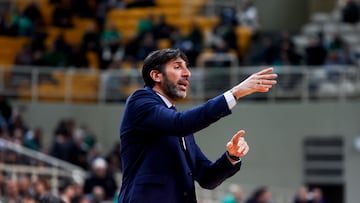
{"points": [[161, 159]]}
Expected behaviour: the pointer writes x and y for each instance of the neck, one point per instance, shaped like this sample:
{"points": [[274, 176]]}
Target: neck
{"points": [[157, 89]]}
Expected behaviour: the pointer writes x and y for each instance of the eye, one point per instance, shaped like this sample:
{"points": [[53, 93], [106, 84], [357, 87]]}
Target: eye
{"points": [[177, 67]]}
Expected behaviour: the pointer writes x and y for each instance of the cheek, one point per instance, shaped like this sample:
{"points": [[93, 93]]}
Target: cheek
{"points": [[172, 78]]}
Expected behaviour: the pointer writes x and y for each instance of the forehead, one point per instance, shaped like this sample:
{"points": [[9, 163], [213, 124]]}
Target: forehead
{"points": [[177, 61]]}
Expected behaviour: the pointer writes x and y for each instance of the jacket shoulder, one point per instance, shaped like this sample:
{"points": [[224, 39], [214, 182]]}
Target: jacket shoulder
{"points": [[143, 95]]}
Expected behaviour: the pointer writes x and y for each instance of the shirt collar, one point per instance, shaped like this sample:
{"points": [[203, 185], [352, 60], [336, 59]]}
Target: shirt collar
{"points": [[165, 100]]}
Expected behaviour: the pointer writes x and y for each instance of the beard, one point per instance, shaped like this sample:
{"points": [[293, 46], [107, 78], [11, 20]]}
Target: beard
{"points": [[170, 89]]}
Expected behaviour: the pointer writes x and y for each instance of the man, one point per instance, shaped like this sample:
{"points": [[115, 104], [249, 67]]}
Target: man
{"points": [[161, 159], [100, 177], [260, 195], [235, 194]]}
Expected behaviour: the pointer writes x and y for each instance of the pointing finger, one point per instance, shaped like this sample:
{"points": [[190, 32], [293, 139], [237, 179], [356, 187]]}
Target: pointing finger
{"points": [[236, 137], [265, 71]]}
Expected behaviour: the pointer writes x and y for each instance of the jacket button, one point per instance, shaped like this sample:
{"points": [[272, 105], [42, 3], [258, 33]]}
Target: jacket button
{"points": [[185, 194], [190, 174]]}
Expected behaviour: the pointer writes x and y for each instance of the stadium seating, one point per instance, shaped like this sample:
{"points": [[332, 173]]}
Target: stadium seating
{"points": [[182, 14], [328, 24], [126, 20], [82, 88], [93, 59], [13, 46]]}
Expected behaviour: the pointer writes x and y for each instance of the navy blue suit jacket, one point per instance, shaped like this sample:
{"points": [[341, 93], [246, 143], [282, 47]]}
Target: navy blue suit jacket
{"points": [[155, 166]]}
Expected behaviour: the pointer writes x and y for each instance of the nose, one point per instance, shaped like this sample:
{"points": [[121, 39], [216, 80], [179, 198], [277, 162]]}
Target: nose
{"points": [[186, 73]]}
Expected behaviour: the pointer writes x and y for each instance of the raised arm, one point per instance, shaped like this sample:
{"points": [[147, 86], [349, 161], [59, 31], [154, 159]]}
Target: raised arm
{"points": [[152, 115]]}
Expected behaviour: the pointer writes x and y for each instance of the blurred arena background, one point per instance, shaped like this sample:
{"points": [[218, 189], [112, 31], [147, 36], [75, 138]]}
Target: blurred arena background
{"points": [[67, 66]]}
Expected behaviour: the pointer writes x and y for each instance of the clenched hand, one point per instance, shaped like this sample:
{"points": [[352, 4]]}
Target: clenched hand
{"points": [[237, 146]]}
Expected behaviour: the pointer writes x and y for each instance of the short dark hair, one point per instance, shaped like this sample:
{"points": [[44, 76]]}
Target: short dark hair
{"points": [[156, 61]]}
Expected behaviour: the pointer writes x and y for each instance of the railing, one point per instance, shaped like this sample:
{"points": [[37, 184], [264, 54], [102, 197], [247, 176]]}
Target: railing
{"points": [[38, 164], [297, 83], [55, 173]]}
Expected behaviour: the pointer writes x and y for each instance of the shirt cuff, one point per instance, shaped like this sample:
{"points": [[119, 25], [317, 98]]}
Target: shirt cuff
{"points": [[233, 162], [230, 99]]}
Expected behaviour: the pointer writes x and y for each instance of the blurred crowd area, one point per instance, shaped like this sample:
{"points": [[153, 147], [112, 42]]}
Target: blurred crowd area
{"points": [[99, 186], [114, 36], [109, 44], [71, 143], [110, 48]]}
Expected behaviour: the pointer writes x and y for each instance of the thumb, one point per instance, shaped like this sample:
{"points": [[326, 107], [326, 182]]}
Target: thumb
{"points": [[236, 137], [229, 145]]}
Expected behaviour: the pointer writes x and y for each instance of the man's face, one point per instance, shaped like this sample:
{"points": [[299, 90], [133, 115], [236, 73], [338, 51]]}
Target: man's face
{"points": [[175, 79], [100, 172]]}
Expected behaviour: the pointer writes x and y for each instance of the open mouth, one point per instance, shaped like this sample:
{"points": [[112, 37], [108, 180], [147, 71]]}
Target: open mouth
{"points": [[183, 84]]}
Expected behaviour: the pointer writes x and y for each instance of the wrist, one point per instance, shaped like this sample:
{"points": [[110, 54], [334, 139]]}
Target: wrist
{"points": [[232, 157], [233, 93]]}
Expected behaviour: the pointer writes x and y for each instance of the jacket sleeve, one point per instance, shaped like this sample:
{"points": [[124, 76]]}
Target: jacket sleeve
{"points": [[147, 114], [209, 174]]}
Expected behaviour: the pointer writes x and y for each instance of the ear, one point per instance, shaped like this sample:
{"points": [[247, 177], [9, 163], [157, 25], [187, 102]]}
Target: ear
{"points": [[155, 75]]}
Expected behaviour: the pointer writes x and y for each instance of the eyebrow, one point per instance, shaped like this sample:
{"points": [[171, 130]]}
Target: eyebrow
{"points": [[180, 62]]}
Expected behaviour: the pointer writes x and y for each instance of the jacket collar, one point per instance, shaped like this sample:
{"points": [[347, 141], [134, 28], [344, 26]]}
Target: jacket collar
{"points": [[164, 100]]}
